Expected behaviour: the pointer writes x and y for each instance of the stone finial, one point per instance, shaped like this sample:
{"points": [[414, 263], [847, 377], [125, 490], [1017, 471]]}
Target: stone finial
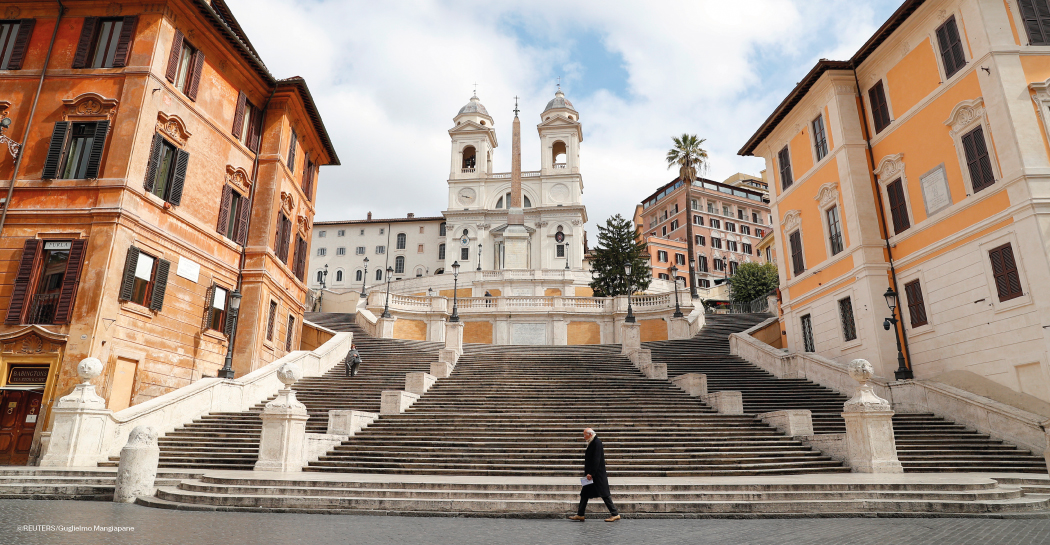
{"points": [[137, 471], [88, 369], [864, 400], [142, 436], [289, 374], [861, 370]]}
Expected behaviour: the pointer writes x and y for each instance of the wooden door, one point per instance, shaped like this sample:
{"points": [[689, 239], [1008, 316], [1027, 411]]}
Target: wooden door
{"points": [[123, 384], [18, 418]]}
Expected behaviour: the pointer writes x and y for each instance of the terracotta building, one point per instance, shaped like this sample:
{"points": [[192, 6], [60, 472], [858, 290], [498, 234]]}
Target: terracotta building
{"points": [[920, 165], [162, 170], [718, 224]]}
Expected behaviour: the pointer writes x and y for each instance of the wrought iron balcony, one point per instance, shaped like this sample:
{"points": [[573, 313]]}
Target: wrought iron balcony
{"points": [[42, 309]]}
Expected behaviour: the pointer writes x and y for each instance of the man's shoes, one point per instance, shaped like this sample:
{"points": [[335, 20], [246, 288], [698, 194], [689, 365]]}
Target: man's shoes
{"points": [[577, 518], [613, 518]]}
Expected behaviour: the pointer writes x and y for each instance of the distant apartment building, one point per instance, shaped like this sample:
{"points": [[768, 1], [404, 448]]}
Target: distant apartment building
{"points": [[713, 226]]}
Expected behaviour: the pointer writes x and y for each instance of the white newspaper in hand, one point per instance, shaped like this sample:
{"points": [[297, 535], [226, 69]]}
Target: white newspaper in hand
{"points": [[584, 481]]}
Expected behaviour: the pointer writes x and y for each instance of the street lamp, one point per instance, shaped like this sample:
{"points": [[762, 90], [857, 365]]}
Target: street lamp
{"points": [[630, 312], [566, 257], [364, 278], [12, 146], [386, 306], [324, 284], [674, 276], [902, 372], [231, 314], [479, 257], [455, 292]]}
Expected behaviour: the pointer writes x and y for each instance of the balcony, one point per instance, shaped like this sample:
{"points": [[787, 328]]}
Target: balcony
{"points": [[42, 309], [468, 170], [560, 165]]}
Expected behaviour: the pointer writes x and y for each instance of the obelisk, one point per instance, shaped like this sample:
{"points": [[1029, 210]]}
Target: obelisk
{"points": [[516, 236]]}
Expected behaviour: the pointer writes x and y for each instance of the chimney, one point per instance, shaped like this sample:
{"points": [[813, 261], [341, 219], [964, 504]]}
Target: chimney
{"points": [[411, 214], [369, 215]]}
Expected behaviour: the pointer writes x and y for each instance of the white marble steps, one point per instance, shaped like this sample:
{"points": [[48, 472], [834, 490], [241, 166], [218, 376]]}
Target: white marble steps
{"points": [[821, 495], [96, 484]]}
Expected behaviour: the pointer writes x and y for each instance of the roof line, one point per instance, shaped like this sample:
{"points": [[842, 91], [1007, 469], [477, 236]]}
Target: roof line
{"points": [[315, 116]]}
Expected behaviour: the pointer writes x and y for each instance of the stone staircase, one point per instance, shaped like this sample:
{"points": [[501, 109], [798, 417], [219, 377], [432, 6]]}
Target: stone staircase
{"points": [[925, 442], [231, 440], [96, 484]]}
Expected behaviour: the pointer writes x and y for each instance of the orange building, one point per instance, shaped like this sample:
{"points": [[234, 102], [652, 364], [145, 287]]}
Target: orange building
{"points": [[718, 224], [921, 164], [162, 170]]}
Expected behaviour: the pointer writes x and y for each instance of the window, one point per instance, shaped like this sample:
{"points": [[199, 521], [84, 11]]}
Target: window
{"points": [[322, 251], [104, 43], [694, 204], [705, 283], [362, 232], [665, 276], [745, 230], [359, 275], [340, 251], [741, 214], [247, 123], [807, 334], [379, 274], [674, 225], [145, 279], [14, 39], [719, 264], [58, 271], [820, 138], [797, 262], [308, 178], [699, 240], [464, 254], [399, 264], [661, 256], [731, 227], [419, 248], [679, 259], [664, 230], [716, 243], [271, 318], [381, 232], [341, 233], [715, 224], [769, 254], [441, 251], [441, 229], [916, 306], [1036, 15], [293, 145], [216, 313], [360, 250], [731, 245], [977, 161], [711, 208], [880, 109], [754, 217], [301, 246], [338, 276], [1004, 269], [402, 240], [834, 230], [289, 333], [380, 250], [849, 328], [732, 267], [760, 233], [78, 155], [185, 66], [898, 206], [701, 263], [320, 276], [166, 171], [283, 239], [559, 250], [746, 248], [322, 234], [951, 47], [784, 160], [698, 220], [726, 211], [421, 229]]}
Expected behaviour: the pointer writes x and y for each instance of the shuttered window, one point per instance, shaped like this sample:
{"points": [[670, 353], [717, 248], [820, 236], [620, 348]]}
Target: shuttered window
{"points": [[21, 284], [849, 327], [234, 211], [290, 334], [308, 179], [916, 306], [701, 263], [57, 272], [145, 280], [75, 150], [238, 115], [284, 238], [898, 206], [291, 151], [834, 230], [185, 66], [784, 160], [807, 334], [798, 264], [820, 138], [301, 247], [1004, 269], [215, 313], [978, 162], [880, 109], [950, 44], [166, 170], [1036, 15], [14, 41], [105, 42], [271, 318]]}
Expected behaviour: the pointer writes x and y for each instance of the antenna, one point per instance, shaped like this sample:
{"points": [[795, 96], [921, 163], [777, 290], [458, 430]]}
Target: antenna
{"points": [[515, 106]]}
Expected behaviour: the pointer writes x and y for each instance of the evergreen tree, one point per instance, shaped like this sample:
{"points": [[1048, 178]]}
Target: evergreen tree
{"points": [[753, 280], [618, 245]]}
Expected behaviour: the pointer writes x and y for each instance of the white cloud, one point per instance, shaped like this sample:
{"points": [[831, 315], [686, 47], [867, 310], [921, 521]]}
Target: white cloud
{"points": [[389, 76]]}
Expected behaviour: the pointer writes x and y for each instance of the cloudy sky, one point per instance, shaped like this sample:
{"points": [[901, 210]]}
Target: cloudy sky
{"points": [[389, 77]]}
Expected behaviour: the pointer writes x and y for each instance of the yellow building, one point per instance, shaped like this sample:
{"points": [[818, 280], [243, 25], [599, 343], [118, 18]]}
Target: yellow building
{"points": [[922, 164]]}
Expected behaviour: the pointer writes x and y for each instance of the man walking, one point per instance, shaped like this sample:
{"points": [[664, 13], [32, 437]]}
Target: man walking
{"points": [[594, 467], [352, 361]]}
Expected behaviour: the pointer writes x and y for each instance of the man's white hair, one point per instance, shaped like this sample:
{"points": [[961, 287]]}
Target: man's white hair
{"points": [[588, 431]]}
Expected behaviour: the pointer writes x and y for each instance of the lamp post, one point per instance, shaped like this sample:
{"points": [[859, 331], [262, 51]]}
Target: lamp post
{"points": [[324, 284], [12, 146], [479, 257], [630, 312], [902, 372], [455, 292], [674, 276], [566, 257], [386, 305], [231, 314], [364, 278]]}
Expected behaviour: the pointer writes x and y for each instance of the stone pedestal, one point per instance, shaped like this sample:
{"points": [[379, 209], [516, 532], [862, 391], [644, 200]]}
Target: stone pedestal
{"points": [[726, 402], [349, 422], [792, 422], [448, 356], [441, 369], [385, 328], [678, 328], [396, 401], [79, 423], [515, 241], [870, 443], [454, 337], [419, 383], [283, 442], [630, 337], [138, 465], [694, 384]]}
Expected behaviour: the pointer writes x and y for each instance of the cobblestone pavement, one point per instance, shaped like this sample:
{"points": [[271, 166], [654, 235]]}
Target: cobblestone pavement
{"points": [[162, 527]]}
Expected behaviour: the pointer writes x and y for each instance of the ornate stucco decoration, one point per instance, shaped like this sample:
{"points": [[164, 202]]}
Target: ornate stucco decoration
{"points": [[483, 226], [1040, 88], [304, 224], [890, 167], [792, 219], [238, 177], [843, 89], [32, 340], [964, 114], [173, 127], [287, 201], [91, 105], [828, 194], [4, 106], [541, 224]]}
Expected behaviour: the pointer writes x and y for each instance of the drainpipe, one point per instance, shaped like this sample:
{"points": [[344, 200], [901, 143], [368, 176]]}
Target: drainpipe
{"points": [[885, 231], [29, 122]]}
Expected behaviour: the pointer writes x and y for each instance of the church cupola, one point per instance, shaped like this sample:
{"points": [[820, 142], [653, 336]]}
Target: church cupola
{"points": [[560, 136], [473, 139]]}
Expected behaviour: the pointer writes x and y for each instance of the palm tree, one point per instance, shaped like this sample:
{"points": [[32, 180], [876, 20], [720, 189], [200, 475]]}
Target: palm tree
{"points": [[688, 154], [691, 158]]}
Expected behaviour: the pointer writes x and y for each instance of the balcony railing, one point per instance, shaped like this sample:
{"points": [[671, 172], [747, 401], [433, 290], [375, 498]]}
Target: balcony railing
{"points": [[42, 309], [560, 165], [468, 170]]}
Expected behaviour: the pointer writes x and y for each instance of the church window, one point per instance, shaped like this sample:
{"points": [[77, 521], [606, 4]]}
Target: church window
{"points": [[470, 157], [560, 250], [359, 275], [441, 229], [338, 276], [558, 154], [419, 272], [464, 254], [379, 274], [402, 240]]}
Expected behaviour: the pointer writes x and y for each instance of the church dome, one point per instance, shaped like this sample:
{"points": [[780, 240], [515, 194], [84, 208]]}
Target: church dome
{"points": [[559, 101], [474, 107]]}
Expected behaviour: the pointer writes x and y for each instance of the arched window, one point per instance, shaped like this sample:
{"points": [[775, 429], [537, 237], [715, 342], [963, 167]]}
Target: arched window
{"points": [[439, 271], [379, 274], [419, 272], [401, 241], [558, 154], [338, 276], [359, 275], [469, 158], [506, 198], [441, 250], [320, 276], [399, 265], [441, 229]]}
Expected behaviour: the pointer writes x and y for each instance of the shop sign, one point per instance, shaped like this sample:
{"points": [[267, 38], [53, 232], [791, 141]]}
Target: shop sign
{"points": [[27, 375]]}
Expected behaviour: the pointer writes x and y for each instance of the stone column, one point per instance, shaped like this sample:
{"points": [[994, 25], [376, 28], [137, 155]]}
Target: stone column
{"points": [[385, 328], [454, 337], [283, 442], [678, 328], [630, 337], [138, 465], [79, 423], [870, 444]]}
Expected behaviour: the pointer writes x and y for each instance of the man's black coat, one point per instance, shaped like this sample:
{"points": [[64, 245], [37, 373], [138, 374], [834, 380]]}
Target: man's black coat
{"points": [[594, 465]]}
